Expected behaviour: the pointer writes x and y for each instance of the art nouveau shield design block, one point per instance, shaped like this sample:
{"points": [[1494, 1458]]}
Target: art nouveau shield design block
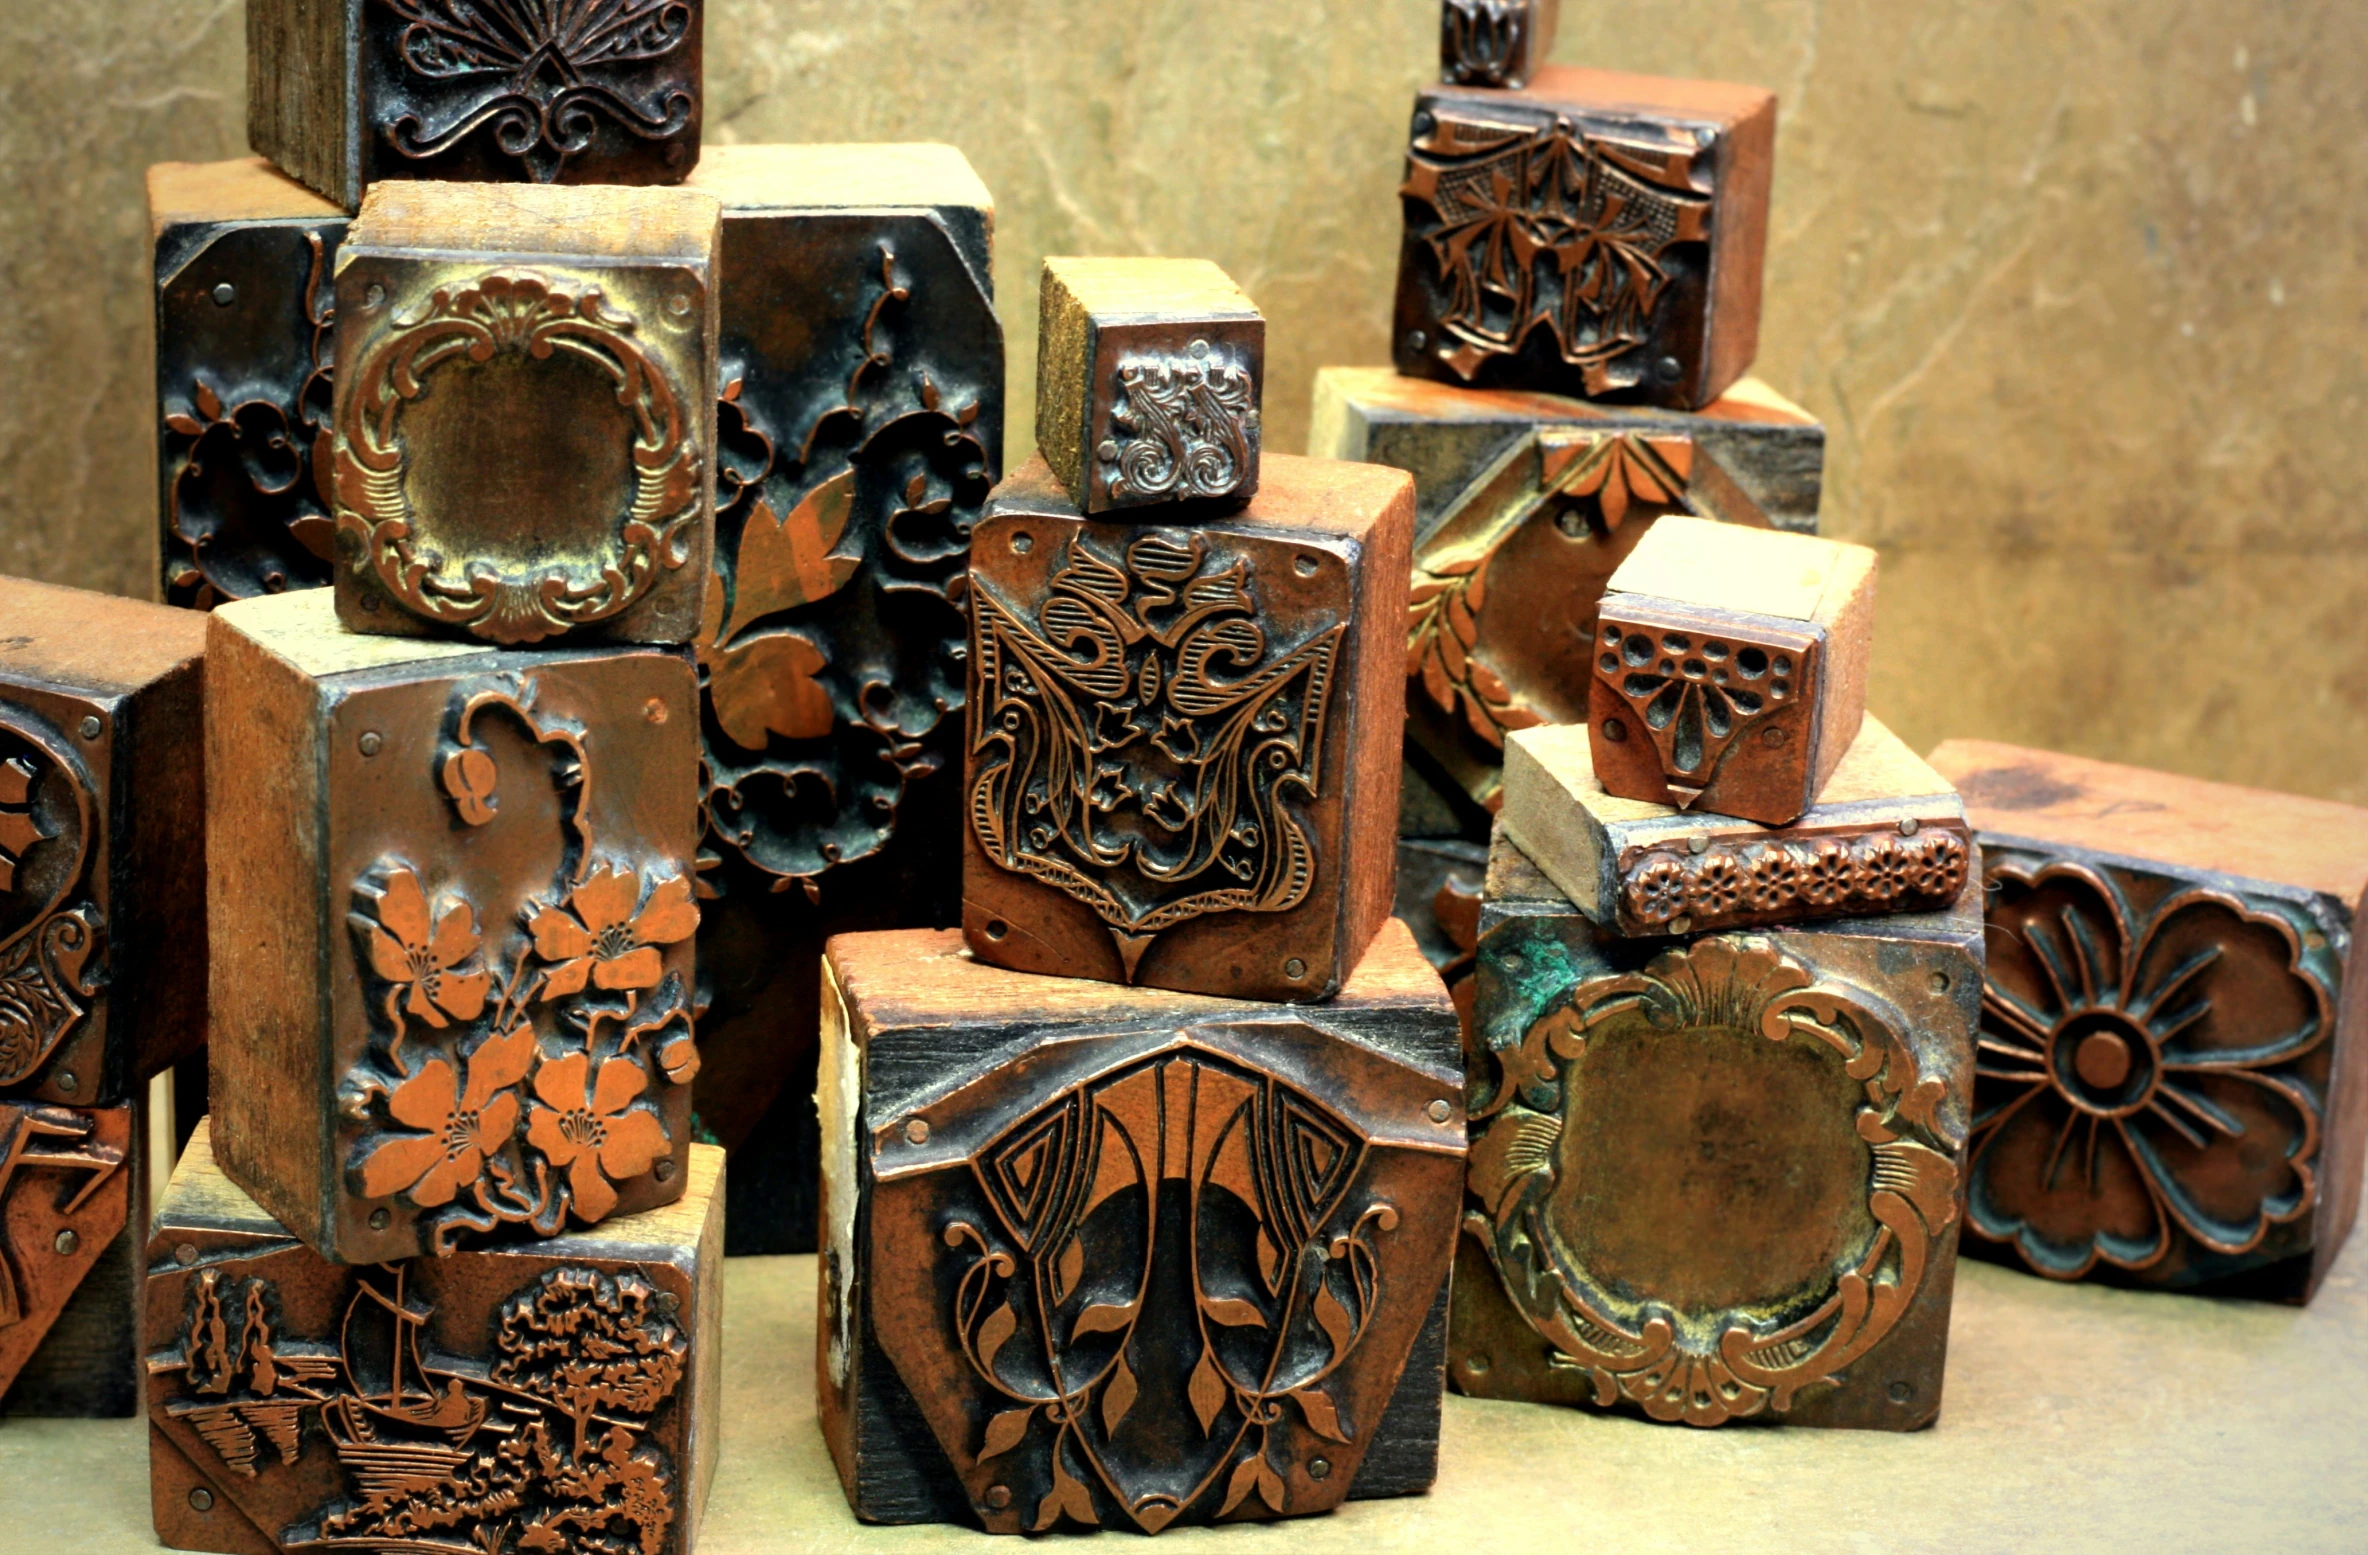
{"points": [[344, 93], [1101, 1256], [453, 907], [1593, 234], [2171, 1089], [1717, 1178], [67, 1191], [103, 969], [554, 1396], [524, 422], [1183, 767]]}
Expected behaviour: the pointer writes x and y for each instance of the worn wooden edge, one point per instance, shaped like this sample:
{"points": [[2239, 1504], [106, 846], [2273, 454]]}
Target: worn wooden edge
{"points": [[577, 223], [243, 189], [95, 645], [920, 175]]}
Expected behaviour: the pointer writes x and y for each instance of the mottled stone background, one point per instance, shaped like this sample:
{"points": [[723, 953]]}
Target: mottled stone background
{"points": [[2077, 284]]}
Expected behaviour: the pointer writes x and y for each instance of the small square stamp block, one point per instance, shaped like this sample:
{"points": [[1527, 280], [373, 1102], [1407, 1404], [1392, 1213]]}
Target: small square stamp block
{"points": [[1184, 758], [561, 1395], [1715, 1178], [524, 426], [1495, 42], [1106, 1257], [453, 894], [1730, 669], [1150, 377], [2173, 1091], [1887, 835]]}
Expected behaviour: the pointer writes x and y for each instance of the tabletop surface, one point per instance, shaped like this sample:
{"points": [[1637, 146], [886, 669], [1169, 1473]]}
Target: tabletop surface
{"points": [[2076, 1419]]}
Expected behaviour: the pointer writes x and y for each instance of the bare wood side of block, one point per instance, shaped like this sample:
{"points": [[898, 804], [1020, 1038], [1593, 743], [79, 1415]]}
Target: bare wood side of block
{"points": [[301, 76], [583, 221]]}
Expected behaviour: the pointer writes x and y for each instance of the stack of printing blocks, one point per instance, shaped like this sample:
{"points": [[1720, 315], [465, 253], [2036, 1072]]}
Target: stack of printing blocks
{"points": [[1141, 1192]]}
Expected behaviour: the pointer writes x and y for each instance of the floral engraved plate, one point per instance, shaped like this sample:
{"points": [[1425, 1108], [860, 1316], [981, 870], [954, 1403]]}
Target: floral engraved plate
{"points": [[1167, 1283], [65, 1194], [1717, 1180], [1685, 691], [497, 955], [1591, 235], [1495, 42], [1167, 721], [522, 439], [552, 1397]]}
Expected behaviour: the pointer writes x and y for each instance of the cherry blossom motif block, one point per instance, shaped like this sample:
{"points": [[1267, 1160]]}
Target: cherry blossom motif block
{"points": [[454, 892]]}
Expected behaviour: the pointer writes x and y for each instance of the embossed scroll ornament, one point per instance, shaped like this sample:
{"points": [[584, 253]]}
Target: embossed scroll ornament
{"points": [[49, 929], [1142, 740], [502, 588], [2152, 1070], [1683, 1329], [1554, 229], [1184, 427], [542, 76], [1672, 890]]}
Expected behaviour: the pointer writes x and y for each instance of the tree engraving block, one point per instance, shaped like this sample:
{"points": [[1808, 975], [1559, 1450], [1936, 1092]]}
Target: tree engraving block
{"points": [[452, 891], [2172, 1093], [66, 1180], [1150, 375], [344, 93], [1495, 42], [859, 435], [1887, 835], [555, 1396], [1730, 669], [1130, 1259], [1183, 764], [103, 968], [245, 320], [1592, 234], [525, 413], [1715, 1178]]}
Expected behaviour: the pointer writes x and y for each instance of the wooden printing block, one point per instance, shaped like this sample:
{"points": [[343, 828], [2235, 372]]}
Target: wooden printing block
{"points": [[1022, 1327], [451, 891], [1150, 374], [1495, 42], [860, 432], [561, 1395], [344, 93], [2172, 1091], [1591, 234], [1715, 1178], [1730, 669], [1184, 749], [244, 322], [102, 843], [68, 1177], [525, 413], [1887, 835]]}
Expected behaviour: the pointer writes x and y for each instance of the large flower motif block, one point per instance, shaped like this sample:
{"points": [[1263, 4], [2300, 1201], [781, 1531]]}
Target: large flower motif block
{"points": [[1591, 234], [1184, 741], [456, 888], [102, 843], [2171, 1093], [1106, 1257], [1715, 1178], [551, 1396], [1729, 669], [523, 436], [345, 93]]}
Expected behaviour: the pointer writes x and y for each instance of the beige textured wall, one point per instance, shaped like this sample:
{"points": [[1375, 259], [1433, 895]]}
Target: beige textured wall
{"points": [[2076, 283]]}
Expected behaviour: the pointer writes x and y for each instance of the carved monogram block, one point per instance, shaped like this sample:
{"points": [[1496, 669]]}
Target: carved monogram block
{"points": [[1887, 835], [1183, 765], [525, 413], [66, 1181], [453, 907], [1730, 669], [1103, 1257], [1593, 234], [860, 432], [2172, 1091], [244, 326], [559, 1396], [1715, 1178], [102, 843], [1495, 42], [1150, 374], [344, 93]]}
